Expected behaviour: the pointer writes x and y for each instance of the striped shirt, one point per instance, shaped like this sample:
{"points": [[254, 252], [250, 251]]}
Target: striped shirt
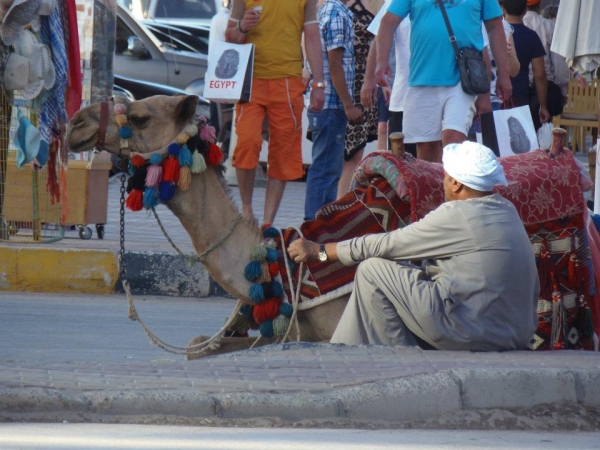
{"points": [[335, 25]]}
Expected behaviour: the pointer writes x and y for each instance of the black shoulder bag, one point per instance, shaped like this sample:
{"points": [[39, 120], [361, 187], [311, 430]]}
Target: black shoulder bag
{"points": [[473, 72]]}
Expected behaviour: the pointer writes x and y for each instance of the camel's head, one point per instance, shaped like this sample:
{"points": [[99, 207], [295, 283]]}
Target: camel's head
{"points": [[154, 122]]}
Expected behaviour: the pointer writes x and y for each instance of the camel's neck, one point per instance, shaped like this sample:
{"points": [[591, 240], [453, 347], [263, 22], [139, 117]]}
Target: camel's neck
{"points": [[208, 215]]}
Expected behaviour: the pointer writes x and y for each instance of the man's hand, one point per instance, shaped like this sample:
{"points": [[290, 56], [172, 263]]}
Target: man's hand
{"points": [[368, 93], [303, 250], [544, 115], [305, 78], [383, 73], [250, 20], [503, 87], [317, 99], [354, 114]]}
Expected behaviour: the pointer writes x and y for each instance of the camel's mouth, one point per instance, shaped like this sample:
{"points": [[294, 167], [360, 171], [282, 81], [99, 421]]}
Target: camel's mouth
{"points": [[78, 145], [80, 136]]}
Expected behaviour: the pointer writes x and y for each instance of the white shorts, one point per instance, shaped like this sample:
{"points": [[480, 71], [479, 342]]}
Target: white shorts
{"points": [[430, 109]]}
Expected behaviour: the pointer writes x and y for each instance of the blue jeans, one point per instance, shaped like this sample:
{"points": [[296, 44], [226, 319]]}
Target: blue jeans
{"points": [[328, 129]]}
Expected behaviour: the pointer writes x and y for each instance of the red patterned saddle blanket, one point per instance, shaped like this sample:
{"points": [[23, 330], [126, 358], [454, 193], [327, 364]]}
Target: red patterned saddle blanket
{"points": [[391, 192]]}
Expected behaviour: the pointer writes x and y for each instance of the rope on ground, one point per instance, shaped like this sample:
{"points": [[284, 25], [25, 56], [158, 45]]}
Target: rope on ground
{"points": [[296, 292]]}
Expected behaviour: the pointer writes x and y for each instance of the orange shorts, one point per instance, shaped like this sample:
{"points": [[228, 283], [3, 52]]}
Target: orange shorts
{"points": [[282, 101]]}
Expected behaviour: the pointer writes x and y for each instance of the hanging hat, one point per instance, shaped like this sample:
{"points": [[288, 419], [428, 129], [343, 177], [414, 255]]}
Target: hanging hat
{"points": [[16, 72], [26, 140], [42, 156], [474, 165], [20, 13], [41, 69], [46, 8]]}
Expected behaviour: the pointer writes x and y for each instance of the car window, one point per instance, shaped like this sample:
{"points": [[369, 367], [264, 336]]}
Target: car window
{"points": [[185, 9], [178, 39], [128, 44]]}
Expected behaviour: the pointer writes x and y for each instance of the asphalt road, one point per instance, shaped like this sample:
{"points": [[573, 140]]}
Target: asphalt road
{"points": [[151, 437], [66, 327]]}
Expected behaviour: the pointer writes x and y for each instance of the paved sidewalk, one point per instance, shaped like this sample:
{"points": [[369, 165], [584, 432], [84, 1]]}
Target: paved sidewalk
{"points": [[303, 382]]}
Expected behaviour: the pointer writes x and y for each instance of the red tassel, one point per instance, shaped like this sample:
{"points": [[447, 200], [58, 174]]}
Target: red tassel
{"points": [[274, 269], [215, 155], [573, 263], [137, 161], [135, 200], [170, 169], [545, 271], [267, 310]]}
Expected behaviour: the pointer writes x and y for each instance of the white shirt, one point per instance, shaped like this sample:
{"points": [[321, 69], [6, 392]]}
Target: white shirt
{"points": [[218, 26]]}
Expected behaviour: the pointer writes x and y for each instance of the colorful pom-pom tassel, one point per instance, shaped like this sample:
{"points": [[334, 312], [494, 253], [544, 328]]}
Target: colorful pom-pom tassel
{"points": [[266, 275], [137, 161], [135, 200], [185, 178], [239, 324], [268, 290], [121, 120], [277, 289], [215, 155], [153, 176], [246, 310], [198, 163], [185, 156], [138, 179], [270, 232], [191, 130], [119, 108], [182, 138], [167, 191], [272, 255], [271, 243], [208, 133], [253, 271], [170, 169], [286, 309], [150, 197], [174, 149], [125, 132], [280, 326], [194, 142], [266, 329], [257, 294], [274, 269], [259, 254], [156, 159], [267, 310]]}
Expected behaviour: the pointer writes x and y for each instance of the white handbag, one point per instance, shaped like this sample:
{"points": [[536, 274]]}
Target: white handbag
{"points": [[228, 78]]}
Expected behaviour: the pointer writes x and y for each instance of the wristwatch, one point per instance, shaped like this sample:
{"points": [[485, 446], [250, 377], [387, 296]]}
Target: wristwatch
{"points": [[319, 84], [322, 253]]}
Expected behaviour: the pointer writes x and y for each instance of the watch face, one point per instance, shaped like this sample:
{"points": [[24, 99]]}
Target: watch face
{"points": [[322, 256]]}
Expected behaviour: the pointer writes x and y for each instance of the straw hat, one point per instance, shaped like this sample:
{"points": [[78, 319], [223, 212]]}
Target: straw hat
{"points": [[41, 74], [20, 13], [16, 72], [46, 8]]}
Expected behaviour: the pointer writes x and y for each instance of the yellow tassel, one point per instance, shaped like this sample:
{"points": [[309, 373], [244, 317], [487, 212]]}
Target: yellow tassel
{"points": [[121, 120], [182, 138], [266, 275], [185, 178]]}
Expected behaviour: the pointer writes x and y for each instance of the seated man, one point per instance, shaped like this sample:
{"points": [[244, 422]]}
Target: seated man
{"points": [[477, 288]]}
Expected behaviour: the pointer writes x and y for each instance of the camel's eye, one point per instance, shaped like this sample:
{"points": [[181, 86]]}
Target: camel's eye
{"points": [[138, 121]]}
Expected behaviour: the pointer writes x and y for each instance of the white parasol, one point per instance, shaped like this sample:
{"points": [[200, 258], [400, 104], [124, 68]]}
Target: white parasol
{"points": [[576, 35]]}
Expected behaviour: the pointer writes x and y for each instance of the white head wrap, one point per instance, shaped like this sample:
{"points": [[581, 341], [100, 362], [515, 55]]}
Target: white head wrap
{"points": [[474, 165]]}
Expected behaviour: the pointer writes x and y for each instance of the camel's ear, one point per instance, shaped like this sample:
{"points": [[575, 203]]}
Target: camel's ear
{"points": [[186, 108]]}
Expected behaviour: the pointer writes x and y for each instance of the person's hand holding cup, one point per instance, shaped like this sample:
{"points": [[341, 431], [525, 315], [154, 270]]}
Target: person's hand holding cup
{"points": [[251, 19]]}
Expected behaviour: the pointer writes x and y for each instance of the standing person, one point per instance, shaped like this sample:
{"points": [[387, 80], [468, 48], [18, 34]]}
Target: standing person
{"points": [[359, 134], [437, 108], [328, 126], [275, 28], [530, 50], [557, 70], [477, 288]]}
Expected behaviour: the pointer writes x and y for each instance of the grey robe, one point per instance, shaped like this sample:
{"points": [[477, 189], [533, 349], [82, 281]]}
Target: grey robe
{"points": [[477, 289]]}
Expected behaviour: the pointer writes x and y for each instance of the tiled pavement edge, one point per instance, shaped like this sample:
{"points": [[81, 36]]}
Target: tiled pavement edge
{"points": [[296, 382]]}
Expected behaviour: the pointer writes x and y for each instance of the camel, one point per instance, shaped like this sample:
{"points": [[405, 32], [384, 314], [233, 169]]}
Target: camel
{"points": [[206, 210]]}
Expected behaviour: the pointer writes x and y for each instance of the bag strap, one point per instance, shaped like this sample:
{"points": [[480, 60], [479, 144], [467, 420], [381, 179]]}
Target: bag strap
{"points": [[450, 32]]}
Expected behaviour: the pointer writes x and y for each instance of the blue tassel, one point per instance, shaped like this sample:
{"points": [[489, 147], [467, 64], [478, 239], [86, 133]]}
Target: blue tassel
{"points": [[277, 289], [174, 148], [155, 159], [246, 310], [286, 309], [185, 156], [125, 132], [266, 329], [257, 295], [272, 255], [270, 232], [253, 271], [150, 197], [167, 191], [130, 168]]}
